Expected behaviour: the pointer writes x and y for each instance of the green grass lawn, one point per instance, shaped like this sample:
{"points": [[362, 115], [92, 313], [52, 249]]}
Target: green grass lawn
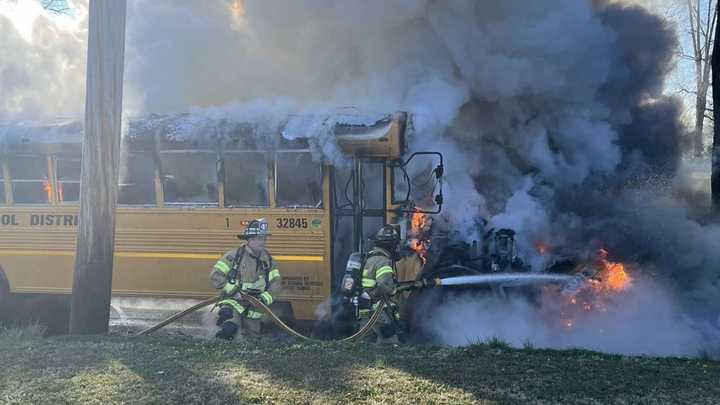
{"points": [[178, 369]]}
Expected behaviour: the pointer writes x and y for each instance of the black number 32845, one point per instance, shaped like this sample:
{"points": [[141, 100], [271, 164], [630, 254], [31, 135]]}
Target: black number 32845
{"points": [[292, 223]]}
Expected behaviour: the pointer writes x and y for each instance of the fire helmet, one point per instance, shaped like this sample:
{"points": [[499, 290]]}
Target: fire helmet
{"points": [[387, 235], [256, 227]]}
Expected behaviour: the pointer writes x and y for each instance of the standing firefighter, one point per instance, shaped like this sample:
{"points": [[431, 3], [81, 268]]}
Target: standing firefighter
{"points": [[250, 269], [379, 282]]}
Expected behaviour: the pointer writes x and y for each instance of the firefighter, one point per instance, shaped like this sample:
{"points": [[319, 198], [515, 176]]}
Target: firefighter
{"points": [[250, 269], [379, 281]]}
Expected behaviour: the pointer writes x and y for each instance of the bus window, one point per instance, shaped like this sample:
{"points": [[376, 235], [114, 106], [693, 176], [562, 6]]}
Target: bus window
{"points": [[2, 184], [189, 176], [298, 180], [246, 179], [30, 184], [67, 170], [373, 185], [343, 191], [137, 179]]}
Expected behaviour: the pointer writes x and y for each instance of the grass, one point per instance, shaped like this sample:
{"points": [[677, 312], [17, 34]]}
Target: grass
{"points": [[179, 369]]}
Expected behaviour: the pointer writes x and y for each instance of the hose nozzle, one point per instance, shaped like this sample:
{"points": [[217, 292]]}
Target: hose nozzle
{"points": [[418, 284]]}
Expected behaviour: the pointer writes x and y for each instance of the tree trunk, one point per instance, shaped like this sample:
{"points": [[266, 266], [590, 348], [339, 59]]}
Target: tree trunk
{"points": [[700, 105], [715, 175], [92, 284]]}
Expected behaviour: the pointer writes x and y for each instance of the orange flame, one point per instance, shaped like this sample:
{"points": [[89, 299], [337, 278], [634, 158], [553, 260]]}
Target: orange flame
{"points": [[610, 278], [419, 225], [617, 277], [541, 248], [48, 189], [613, 275], [237, 11]]}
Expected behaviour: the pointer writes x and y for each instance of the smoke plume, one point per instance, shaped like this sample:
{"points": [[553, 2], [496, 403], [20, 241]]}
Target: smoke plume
{"points": [[551, 115]]}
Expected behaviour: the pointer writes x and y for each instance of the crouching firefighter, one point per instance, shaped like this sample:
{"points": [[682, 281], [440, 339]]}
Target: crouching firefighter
{"points": [[379, 282], [249, 269]]}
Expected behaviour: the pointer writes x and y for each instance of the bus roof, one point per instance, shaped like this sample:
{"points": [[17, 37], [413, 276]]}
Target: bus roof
{"points": [[353, 132]]}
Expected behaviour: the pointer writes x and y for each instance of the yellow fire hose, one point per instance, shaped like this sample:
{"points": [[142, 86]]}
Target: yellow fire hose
{"points": [[282, 325]]}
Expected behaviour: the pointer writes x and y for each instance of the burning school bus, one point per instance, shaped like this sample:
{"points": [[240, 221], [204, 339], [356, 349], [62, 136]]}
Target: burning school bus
{"points": [[185, 193]]}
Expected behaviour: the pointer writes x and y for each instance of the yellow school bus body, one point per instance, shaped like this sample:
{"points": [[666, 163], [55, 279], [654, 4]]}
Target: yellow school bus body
{"points": [[167, 250]]}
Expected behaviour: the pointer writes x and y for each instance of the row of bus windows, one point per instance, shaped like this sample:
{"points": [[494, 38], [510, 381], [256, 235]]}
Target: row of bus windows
{"points": [[187, 177]]}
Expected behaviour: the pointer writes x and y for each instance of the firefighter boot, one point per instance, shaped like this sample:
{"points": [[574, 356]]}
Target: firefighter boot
{"points": [[227, 331], [225, 313], [388, 334]]}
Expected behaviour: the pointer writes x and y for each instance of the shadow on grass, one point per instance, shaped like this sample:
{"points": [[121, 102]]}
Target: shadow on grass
{"points": [[51, 369], [50, 311], [499, 374], [175, 369]]}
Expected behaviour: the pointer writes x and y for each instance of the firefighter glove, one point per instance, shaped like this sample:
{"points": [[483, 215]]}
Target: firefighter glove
{"points": [[229, 289], [364, 301], [266, 298]]}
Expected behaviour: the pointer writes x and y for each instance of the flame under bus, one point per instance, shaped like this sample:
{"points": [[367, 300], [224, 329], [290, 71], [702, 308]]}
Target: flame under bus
{"points": [[183, 197]]}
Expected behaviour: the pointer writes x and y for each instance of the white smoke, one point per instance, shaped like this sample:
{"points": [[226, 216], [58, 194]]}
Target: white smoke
{"points": [[643, 321], [42, 61], [136, 314], [425, 57], [543, 110]]}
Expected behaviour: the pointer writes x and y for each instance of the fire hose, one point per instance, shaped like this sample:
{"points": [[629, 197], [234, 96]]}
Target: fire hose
{"points": [[480, 279], [282, 325]]}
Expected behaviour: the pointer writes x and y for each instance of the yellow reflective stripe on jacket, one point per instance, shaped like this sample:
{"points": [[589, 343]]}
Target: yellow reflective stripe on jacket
{"points": [[222, 267], [257, 285], [268, 297], [253, 314], [229, 288], [382, 271], [236, 305], [368, 283], [275, 273]]}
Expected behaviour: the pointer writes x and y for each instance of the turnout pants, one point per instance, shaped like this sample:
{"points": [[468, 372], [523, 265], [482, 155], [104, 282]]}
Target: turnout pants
{"points": [[234, 317], [387, 327]]}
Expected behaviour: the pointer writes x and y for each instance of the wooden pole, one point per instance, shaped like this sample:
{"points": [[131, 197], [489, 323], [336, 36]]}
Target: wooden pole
{"points": [[92, 284]]}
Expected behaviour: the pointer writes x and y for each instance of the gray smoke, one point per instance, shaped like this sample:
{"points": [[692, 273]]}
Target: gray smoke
{"points": [[42, 61], [644, 321], [551, 114]]}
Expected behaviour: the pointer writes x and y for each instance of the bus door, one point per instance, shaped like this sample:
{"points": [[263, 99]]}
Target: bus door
{"points": [[358, 209]]}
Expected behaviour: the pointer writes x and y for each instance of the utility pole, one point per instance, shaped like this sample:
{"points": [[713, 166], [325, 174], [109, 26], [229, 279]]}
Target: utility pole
{"points": [[92, 284], [715, 175]]}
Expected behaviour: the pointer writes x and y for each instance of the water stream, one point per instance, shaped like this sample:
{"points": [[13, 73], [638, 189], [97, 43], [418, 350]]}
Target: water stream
{"points": [[508, 279]]}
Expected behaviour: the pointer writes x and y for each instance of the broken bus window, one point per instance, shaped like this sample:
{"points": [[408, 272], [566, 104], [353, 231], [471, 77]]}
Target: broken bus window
{"points": [[2, 184], [30, 183], [67, 171], [189, 176], [298, 180], [137, 179], [246, 179]]}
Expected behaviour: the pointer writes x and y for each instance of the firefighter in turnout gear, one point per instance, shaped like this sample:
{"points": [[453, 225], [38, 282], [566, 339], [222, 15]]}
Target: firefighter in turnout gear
{"points": [[249, 268], [379, 282]]}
